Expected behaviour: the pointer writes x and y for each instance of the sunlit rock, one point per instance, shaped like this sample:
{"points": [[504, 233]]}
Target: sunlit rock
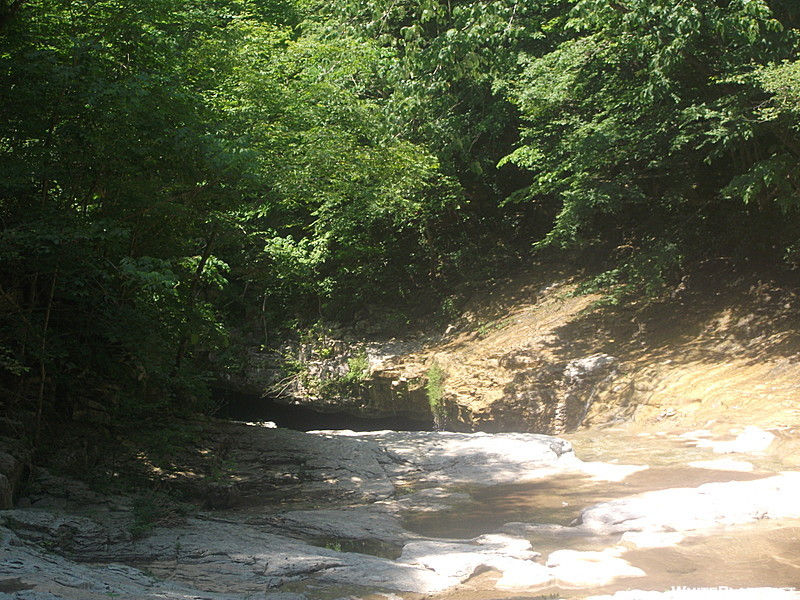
{"points": [[574, 568], [477, 458], [511, 556], [378, 574], [520, 575], [752, 439], [583, 367], [685, 509]]}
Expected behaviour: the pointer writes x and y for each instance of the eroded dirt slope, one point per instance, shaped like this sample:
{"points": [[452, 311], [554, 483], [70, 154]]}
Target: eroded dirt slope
{"points": [[720, 351]]}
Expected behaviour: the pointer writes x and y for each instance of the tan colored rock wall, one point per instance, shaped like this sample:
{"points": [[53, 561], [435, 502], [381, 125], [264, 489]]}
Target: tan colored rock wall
{"points": [[537, 357]]}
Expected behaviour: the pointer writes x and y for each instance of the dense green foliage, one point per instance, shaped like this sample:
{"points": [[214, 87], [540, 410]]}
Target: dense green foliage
{"points": [[176, 171], [646, 127]]}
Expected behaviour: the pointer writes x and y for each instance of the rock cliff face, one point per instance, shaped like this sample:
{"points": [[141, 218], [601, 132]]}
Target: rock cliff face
{"points": [[337, 372], [553, 397], [537, 357]]}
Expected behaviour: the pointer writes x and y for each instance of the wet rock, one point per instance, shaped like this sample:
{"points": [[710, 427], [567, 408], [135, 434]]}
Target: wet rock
{"points": [[545, 531], [222, 495], [247, 552], [521, 575], [378, 574], [549, 397], [238, 557], [602, 471], [579, 369], [6, 492], [255, 550], [55, 493], [376, 390], [430, 500]]}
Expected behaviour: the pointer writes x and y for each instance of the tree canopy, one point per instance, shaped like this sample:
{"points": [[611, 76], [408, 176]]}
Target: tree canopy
{"points": [[177, 171]]}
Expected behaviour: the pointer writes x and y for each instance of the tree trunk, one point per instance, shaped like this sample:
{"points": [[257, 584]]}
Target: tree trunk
{"points": [[8, 11], [42, 366], [193, 292]]}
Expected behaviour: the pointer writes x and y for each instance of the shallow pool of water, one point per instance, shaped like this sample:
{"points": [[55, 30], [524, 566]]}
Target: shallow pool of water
{"points": [[555, 501], [359, 546], [761, 554]]}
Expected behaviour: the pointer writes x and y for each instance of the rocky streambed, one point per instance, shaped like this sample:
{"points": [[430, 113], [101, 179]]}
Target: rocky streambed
{"points": [[387, 515]]}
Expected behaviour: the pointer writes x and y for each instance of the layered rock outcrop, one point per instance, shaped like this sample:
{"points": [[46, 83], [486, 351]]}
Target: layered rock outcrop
{"points": [[537, 357], [323, 515]]}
